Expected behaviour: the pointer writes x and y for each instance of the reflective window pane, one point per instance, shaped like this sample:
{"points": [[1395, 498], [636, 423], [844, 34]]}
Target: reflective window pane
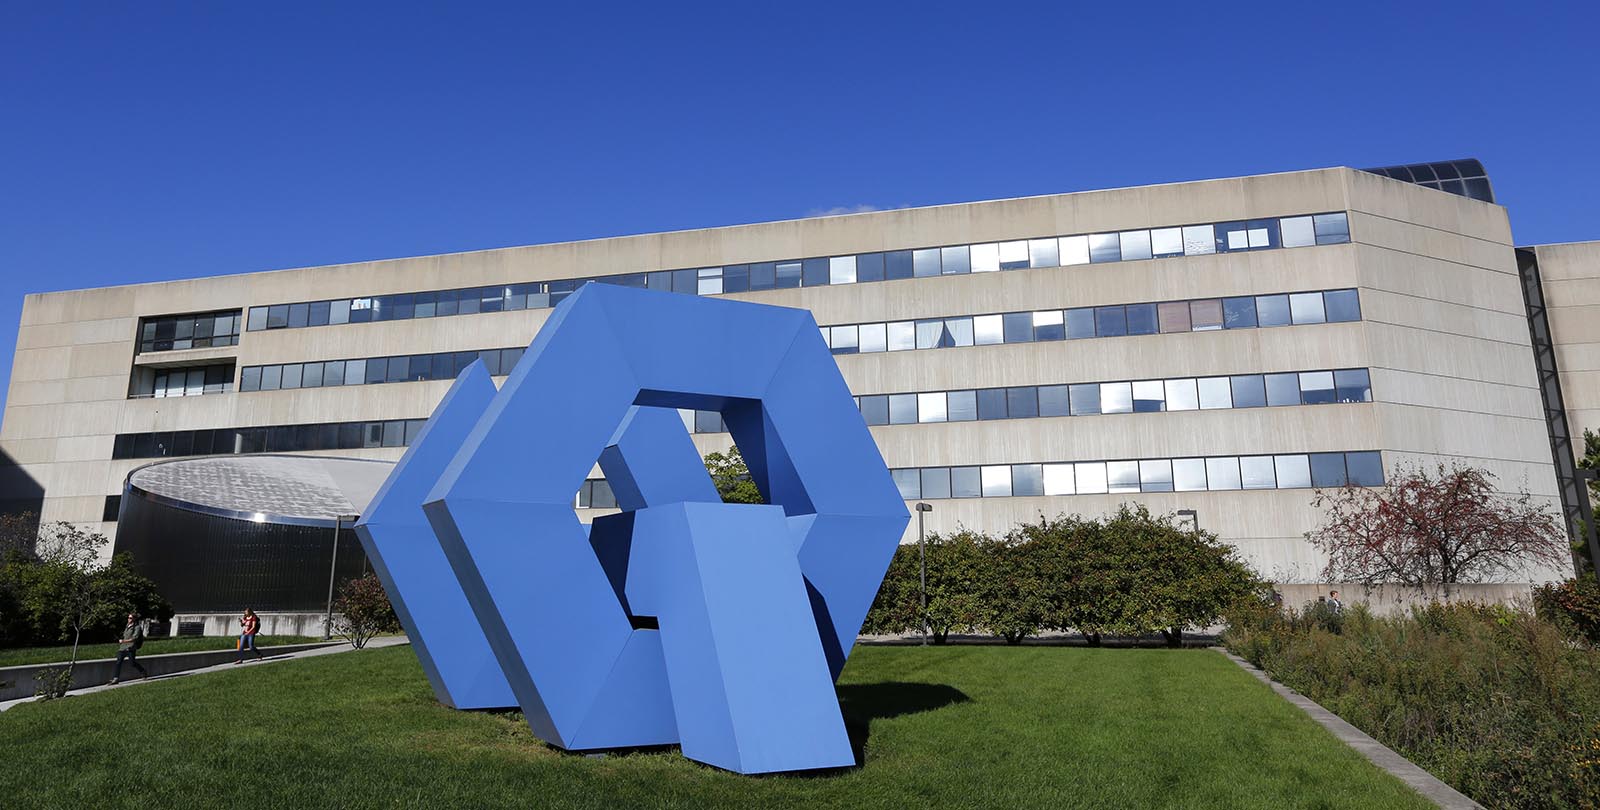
{"points": [[902, 335], [1341, 306], [1238, 313], [1198, 240], [1174, 316], [1352, 385], [1294, 472], [1222, 473], [1084, 399], [1013, 255], [1090, 477], [1074, 250], [1110, 321], [997, 481], [1215, 393], [925, 262], [985, 258], [1017, 327], [958, 331], [1297, 232], [1206, 314], [1058, 480], [844, 340], [1283, 389], [1316, 387], [1135, 245], [1141, 319], [1043, 253], [1332, 228], [1026, 480], [1327, 470], [1249, 391], [909, 482], [1306, 308], [1049, 325], [1149, 396], [1022, 402], [1166, 242], [897, 264], [1053, 400], [955, 260], [962, 406], [936, 482], [842, 270], [992, 403], [1116, 397], [965, 482], [875, 409], [1182, 395], [1122, 476], [814, 272], [873, 338], [1155, 475], [1105, 247], [1272, 310], [988, 329], [930, 407], [869, 267], [1080, 323], [1364, 469], [1256, 472], [902, 409], [1188, 474]]}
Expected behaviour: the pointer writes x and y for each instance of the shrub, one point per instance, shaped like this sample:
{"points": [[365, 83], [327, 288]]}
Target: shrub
{"points": [[53, 682], [363, 611], [1573, 607], [1488, 698], [955, 568]]}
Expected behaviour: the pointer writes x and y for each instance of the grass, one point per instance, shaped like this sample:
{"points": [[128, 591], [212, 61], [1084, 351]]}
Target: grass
{"points": [[972, 727], [153, 646]]}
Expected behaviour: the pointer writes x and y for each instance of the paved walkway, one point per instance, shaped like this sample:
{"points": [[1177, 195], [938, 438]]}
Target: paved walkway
{"points": [[1376, 752], [383, 641]]}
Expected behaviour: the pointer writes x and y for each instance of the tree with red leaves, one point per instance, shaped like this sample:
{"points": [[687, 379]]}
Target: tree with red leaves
{"points": [[1434, 530]]}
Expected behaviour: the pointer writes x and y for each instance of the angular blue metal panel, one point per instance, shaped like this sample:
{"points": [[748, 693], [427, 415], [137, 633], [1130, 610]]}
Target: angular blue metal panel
{"points": [[426, 596]]}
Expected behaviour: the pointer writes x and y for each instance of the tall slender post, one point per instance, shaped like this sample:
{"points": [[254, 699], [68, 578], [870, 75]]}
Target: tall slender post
{"points": [[327, 620], [922, 563]]}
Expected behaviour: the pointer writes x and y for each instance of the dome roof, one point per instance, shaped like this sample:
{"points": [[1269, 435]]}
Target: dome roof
{"points": [[301, 490]]}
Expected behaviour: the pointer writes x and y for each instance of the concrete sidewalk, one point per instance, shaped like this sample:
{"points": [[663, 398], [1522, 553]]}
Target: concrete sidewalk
{"points": [[382, 641]]}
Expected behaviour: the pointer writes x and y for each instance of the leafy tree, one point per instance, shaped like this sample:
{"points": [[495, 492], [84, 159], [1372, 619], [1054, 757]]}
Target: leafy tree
{"points": [[363, 611], [1132, 573], [1434, 529], [954, 588], [1011, 597], [732, 477], [62, 594]]}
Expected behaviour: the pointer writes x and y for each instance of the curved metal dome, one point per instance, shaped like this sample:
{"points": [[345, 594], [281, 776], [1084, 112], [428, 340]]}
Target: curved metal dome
{"points": [[294, 490]]}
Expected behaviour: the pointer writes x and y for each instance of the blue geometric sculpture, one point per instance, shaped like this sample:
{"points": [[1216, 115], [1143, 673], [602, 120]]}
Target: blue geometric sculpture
{"points": [[680, 619]]}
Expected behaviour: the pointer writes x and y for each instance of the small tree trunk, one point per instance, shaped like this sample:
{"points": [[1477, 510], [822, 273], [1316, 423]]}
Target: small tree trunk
{"points": [[1012, 637], [1092, 638], [1173, 636]]}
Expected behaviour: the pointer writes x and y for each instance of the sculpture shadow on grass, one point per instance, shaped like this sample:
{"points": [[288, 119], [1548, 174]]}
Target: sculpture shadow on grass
{"points": [[862, 703]]}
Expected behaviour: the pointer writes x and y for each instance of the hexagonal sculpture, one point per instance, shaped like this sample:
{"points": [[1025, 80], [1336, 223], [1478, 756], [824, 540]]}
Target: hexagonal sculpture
{"points": [[680, 619]]}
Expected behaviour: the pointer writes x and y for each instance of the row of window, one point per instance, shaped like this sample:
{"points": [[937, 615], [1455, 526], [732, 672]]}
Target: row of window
{"points": [[1212, 473], [275, 439], [1188, 240], [1198, 315], [1086, 399], [371, 370], [192, 331], [182, 382]]}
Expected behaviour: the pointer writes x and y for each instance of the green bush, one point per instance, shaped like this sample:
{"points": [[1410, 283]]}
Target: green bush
{"points": [[1129, 574], [1488, 698], [1573, 607]]}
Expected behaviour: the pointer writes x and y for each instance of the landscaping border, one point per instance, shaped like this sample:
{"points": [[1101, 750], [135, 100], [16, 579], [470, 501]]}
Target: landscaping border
{"points": [[1376, 752]]}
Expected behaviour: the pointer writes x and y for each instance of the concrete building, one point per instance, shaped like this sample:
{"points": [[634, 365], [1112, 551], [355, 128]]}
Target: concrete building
{"points": [[1217, 346]]}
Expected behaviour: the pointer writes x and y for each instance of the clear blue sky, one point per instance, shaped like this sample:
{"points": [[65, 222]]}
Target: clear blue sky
{"points": [[150, 141]]}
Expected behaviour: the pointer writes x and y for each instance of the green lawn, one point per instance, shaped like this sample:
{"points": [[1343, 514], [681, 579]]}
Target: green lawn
{"points": [[154, 646], [972, 727]]}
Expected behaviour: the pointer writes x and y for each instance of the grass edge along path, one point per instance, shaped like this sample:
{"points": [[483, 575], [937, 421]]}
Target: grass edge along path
{"points": [[24, 656], [940, 727]]}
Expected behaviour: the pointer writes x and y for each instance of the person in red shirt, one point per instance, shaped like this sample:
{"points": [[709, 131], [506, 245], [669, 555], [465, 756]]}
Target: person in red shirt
{"points": [[249, 625]]}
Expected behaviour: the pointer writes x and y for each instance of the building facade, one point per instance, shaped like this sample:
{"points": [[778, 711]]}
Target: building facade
{"points": [[1220, 346]]}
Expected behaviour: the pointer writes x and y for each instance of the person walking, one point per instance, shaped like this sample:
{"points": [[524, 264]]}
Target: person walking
{"points": [[1333, 601], [249, 624], [128, 646]]}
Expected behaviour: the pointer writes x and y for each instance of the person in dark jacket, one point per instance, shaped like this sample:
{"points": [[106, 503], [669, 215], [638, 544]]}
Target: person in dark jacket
{"points": [[249, 625], [128, 646]]}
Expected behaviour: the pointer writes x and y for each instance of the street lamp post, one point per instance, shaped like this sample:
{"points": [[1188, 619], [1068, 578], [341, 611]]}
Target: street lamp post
{"points": [[922, 564], [1192, 516], [333, 565]]}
